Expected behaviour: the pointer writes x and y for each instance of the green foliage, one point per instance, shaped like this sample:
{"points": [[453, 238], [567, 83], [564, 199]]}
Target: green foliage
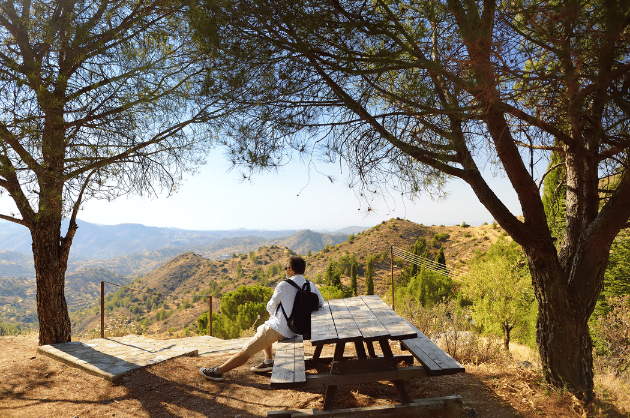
{"points": [[554, 197], [617, 276], [333, 292], [426, 287], [353, 278], [611, 334], [448, 324], [13, 329], [499, 284], [441, 236], [239, 271], [163, 314], [240, 309], [369, 276], [441, 258]]}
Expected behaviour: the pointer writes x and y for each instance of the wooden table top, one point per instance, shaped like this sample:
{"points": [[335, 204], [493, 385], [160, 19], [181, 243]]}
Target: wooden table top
{"points": [[360, 318]]}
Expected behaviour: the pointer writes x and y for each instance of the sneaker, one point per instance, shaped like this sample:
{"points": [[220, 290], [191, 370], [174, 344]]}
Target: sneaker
{"points": [[262, 367], [210, 373]]}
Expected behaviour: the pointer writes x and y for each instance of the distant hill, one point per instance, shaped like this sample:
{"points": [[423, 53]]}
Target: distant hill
{"points": [[185, 281], [17, 284], [132, 249], [93, 241], [307, 240], [16, 264]]}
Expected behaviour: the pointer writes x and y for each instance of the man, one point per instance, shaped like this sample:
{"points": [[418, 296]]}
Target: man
{"points": [[274, 329]]}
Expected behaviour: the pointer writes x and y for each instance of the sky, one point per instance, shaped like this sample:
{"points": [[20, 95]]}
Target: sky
{"points": [[295, 197]]}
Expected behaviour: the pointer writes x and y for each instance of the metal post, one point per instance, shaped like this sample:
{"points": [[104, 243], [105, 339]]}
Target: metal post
{"points": [[391, 257], [210, 316], [102, 309]]}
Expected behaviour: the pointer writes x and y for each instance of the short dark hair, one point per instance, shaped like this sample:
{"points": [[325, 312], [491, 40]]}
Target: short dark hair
{"points": [[297, 264]]}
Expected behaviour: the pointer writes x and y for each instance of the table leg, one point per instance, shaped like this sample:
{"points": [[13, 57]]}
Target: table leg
{"points": [[318, 352], [339, 349], [331, 390], [358, 345], [370, 348], [399, 384]]}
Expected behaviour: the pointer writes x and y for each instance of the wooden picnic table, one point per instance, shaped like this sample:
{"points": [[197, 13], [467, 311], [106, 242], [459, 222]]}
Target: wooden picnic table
{"points": [[361, 321]]}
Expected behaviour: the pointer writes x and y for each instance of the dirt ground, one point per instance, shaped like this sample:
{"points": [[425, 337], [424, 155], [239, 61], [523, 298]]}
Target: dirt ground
{"points": [[32, 385]]}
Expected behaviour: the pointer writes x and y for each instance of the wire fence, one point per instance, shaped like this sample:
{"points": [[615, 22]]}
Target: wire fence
{"points": [[426, 263], [150, 293], [421, 262]]}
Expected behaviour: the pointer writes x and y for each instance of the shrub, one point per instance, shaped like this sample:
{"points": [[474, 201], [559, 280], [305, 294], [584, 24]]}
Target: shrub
{"points": [[449, 325], [441, 236], [611, 333], [239, 310], [332, 292]]}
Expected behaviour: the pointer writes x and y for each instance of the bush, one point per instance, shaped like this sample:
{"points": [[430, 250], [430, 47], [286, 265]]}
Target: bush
{"points": [[449, 326], [332, 292], [426, 287], [240, 310], [611, 334], [441, 236]]}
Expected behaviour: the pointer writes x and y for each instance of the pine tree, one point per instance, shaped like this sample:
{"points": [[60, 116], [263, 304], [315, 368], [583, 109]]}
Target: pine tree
{"points": [[441, 259], [353, 278], [369, 276]]}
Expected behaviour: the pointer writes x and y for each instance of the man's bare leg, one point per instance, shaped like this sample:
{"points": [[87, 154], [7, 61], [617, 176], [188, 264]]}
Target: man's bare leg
{"points": [[236, 360], [241, 358], [268, 353]]}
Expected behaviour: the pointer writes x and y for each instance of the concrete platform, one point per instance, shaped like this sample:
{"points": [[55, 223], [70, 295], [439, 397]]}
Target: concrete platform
{"points": [[112, 358]]}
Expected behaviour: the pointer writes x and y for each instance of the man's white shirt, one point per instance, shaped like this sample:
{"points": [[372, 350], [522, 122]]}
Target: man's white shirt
{"points": [[285, 294]]}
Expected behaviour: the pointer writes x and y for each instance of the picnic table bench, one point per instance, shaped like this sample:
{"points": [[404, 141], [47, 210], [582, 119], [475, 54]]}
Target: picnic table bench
{"points": [[362, 321]]}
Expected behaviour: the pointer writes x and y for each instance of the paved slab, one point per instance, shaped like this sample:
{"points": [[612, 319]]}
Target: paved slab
{"points": [[112, 358]]}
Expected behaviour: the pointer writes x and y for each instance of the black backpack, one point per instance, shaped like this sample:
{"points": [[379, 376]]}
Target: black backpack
{"points": [[304, 303]]}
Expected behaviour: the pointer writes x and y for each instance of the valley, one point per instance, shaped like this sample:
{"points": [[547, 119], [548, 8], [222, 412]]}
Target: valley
{"points": [[173, 284]]}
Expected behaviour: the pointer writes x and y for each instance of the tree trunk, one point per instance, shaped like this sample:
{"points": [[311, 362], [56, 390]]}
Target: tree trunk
{"points": [[563, 337], [50, 269], [507, 328]]}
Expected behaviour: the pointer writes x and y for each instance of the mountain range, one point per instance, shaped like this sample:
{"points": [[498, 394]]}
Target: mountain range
{"points": [[132, 249]]}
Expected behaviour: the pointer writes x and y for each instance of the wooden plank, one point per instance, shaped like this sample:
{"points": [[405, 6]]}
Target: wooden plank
{"points": [[363, 365], [299, 374], [436, 360], [398, 327], [407, 358], [288, 365], [444, 407], [369, 325], [347, 329], [317, 380], [322, 326], [430, 355], [283, 363]]}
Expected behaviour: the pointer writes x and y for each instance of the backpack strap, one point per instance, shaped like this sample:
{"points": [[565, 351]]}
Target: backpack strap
{"points": [[292, 283]]}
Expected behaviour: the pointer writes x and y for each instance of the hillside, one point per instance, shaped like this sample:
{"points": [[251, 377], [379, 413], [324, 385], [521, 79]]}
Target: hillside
{"points": [[177, 290], [135, 250], [17, 284]]}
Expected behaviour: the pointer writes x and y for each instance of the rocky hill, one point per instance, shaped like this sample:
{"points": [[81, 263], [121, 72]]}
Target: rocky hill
{"points": [[173, 296]]}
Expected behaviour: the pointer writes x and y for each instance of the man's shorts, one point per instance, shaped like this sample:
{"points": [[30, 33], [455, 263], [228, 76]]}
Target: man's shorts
{"points": [[264, 337]]}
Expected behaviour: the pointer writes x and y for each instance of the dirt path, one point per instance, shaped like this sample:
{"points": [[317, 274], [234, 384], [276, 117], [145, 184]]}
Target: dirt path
{"points": [[32, 385]]}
